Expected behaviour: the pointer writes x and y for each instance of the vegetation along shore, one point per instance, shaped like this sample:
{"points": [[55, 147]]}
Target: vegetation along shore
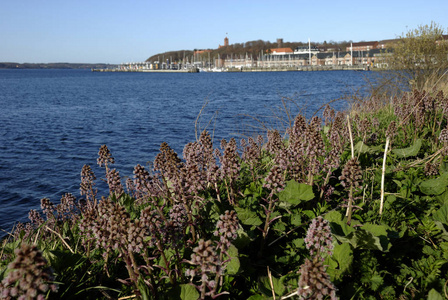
{"points": [[353, 205]]}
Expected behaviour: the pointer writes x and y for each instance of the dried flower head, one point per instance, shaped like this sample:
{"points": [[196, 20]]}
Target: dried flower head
{"points": [[87, 183], [104, 156], [351, 174], [443, 137], [391, 130], [167, 162], [66, 209], [230, 160], [431, 169], [275, 142], [29, 276], [47, 208], [314, 282], [35, 218], [328, 114]]}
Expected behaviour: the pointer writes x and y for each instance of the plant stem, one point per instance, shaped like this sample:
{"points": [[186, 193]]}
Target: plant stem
{"points": [[165, 260], [351, 136], [348, 214], [383, 175], [327, 178]]}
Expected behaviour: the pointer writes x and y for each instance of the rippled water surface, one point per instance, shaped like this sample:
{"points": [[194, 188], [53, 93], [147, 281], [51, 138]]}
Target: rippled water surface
{"points": [[52, 122]]}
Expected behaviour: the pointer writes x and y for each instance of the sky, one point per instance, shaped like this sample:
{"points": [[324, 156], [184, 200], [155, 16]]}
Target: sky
{"points": [[120, 31]]}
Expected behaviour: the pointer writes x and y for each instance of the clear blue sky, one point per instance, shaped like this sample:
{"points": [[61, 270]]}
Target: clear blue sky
{"points": [[116, 31]]}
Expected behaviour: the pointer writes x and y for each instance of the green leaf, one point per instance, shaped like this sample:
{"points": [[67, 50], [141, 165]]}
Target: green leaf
{"points": [[409, 151], [248, 217], [338, 223], [143, 289], [295, 192], [434, 186], [341, 261], [188, 292], [361, 148], [434, 295], [441, 214], [253, 189], [279, 288], [296, 220], [234, 264], [362, 239], [376, 281], [257, 297], [382, 232], [242, 239]]}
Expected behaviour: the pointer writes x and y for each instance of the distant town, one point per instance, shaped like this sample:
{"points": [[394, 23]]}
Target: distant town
{"points": [[277, 56], [361, 55]]}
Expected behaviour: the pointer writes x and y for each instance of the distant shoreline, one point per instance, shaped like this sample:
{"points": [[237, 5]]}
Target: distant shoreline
{"points": [[235, 70], [13, 65]]}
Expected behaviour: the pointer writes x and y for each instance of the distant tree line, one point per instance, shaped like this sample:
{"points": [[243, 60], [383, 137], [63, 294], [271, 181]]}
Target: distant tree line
{"points": [[14, 65], [253, 48]]}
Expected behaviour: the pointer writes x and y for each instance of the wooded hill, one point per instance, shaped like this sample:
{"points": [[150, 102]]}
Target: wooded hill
{"points": [[253, 48]]}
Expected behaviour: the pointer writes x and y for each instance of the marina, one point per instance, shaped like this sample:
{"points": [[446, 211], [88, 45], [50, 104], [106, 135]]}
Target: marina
{"points": [[240, 69]]}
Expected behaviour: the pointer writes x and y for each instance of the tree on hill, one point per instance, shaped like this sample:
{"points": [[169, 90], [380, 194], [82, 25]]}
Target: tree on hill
{"points": [[252, 48], [420, 58]]}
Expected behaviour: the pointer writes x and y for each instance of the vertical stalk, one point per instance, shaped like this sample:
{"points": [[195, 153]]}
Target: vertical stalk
{"points": [[327, 178], [351, 136], [165, 260], [348, 214], [383, 175], [267, 222]]}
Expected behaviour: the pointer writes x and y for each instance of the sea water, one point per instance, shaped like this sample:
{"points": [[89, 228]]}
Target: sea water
{"points": [[52, 122]]}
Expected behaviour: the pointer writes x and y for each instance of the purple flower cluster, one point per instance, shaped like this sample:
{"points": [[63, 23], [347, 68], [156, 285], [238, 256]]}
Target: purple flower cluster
{"points": [[275, 142], [144, 185], [35, 218], [431, 169], [391, 130], [230, 160], [104, 157], [251, 153], [332, 158], [319, 240], [364, 127], [110, 228], [47, 208], [207, 264], [114, 182], [87, 184], [29, 277], [177, 224], [328, 114], [314, 282], [66, 209], [226, 229], [167, 162], [275, 180], [351, 174]]}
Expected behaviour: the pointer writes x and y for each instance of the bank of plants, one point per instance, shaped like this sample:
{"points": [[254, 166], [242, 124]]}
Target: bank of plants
{"points": [[351, 205]]}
